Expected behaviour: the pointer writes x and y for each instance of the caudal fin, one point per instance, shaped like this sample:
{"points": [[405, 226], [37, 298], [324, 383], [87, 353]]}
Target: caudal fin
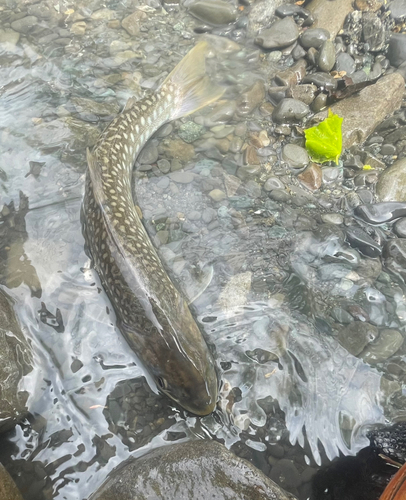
{"points": [[189, 76]]}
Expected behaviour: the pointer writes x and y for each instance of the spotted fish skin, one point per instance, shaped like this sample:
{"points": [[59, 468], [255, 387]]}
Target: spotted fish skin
{"points": [[151, 313]]}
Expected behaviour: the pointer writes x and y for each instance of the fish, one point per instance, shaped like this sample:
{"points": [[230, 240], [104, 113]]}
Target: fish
{"points": [[152, 314]]}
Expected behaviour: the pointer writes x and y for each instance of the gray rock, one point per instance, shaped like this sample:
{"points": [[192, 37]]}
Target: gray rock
{"points": [[330, 15], [261, 14], [190, 131], [356, 336], [8, 489], [327, 56], [286, 474], [345, 63], [290, 111], [214, 12], [9, 37], [251, 98], [148, 155], [391, 185], [373, 31], [397, 9], [399, 227], [397, 49], [273, 183], [279, 195], [164, 165], [182, 177], [322, 80], [132, 22], [281, 34], [305, 93], [195, 470], [295, 156], [25, 25], [15, 361], [363, 112], [385, 346], [314, 37]]}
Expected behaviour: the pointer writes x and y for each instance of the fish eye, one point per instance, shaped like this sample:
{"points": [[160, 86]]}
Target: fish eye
{"points": [[162, 383]]}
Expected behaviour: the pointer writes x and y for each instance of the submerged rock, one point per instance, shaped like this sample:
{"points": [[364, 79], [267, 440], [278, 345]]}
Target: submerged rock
{"points": [[379, 213], [195, 470], [8, 489], [391, 185], [15, 362], [262, 13], [214, 12]]}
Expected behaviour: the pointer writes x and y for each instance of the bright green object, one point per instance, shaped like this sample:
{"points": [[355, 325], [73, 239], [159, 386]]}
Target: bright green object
{"points": [[324, 142]]}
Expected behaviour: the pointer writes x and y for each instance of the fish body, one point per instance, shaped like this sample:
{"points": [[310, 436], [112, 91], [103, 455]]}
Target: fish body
{"points": [[151, 313]]}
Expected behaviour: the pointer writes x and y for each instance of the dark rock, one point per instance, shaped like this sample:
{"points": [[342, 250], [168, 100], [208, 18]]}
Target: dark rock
{"points": [[276, 94], [214, 12], [281, 34], [279, 195], [197, 469], [293, 75], [290, 111], [397, 9], [274, 183], [314, 37], [8, 489], [327, 56], [356, 336], [358, 238], [311, 177], [373, 31], [380, 213], [25, 25], [322, 80], [286, 474], [304, 93], [251, 98], [295, 156], [399, 228], [397, 49], [394, 253], [345, 63]]}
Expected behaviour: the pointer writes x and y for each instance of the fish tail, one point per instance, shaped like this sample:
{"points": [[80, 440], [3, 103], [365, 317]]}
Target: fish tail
{"points": [[189, 76]]}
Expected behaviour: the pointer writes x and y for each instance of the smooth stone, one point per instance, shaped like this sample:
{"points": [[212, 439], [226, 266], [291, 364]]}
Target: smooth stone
{"points": [[385, 346], [251, 98], [363, 112], [25, 25], [361, 76], [322, 80], [286, 474], [314, 37], [305, 93], [394, 253], [290, 111], [279, 195], [163, 183], [262, 14], [311, 177], [293, 75], [379, 213], [295, 156], [356, 336], [345, 63], [327, 56], [222, 113], [397, 9], [273, 183], [342, 316], [359, 239], [132, 23], [148, 155], [373, 32], [388, 150], [9, 37], [336, 219], [276, 94], [319, 103], [280, 35], [248, 172], [182, 177], [215, 12], [190, 131], [15, 362], [217, 195], [399, 228], [330, 15], [298, 52], [8, 488], [289, 9], [397, 49], [208, 215], [391, 185], [164, 166]]}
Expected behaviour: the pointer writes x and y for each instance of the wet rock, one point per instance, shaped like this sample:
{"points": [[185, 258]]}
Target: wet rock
{"points": [[25, 25], [399, 228], [164, 166], [197, 469], [397, 9], [379, 213], [236, 291], [362, 241], [345, 63], [363, 112], [251, 98], [293, 75], [397, 49], [8, 489], [394, 253], [281, 34], [304, 93], [385, 346], [330, 15], [322, 80], [132, 23], [336, 219], [286, 474], [148, 155], [178, 150], [327, 56], [279, 195], [15, 362], [9, 37], [222, 113], [190, 131], [295, 156], [391, 185], [217, 195], [356, 336], [261, 14], [182, 177], [273, 183], [314, 37], [215, 12], [290, 111], [311, 177], [373, 32]]}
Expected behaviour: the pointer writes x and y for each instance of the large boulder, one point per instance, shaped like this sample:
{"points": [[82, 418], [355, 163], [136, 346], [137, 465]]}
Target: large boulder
{"points": [[15, 362], [197, 469]]}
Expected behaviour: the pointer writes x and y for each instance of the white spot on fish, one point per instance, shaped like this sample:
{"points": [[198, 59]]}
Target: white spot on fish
{"points": [[142, 121]]}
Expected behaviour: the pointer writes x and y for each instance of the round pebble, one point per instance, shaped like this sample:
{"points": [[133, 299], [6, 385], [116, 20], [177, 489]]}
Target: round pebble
{"points": [[290, 111], [295, 156], [281, 34], [314, 37], [327, 56]]}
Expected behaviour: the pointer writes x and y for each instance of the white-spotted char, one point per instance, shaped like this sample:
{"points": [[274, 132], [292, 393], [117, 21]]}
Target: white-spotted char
{"points": [[152, 314]]}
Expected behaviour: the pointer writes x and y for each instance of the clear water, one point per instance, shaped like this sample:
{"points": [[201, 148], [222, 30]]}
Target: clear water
{"points": [[328, 396]]}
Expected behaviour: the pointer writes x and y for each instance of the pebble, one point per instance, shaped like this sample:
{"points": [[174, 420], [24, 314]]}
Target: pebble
{"points": [[336, 219], [251, 98], [391, 185], [290, 111], [148, 155], [273, 183], [380, 213], [293, 75], [305, 93], [345, 63], [319, 103], [327, 56], [215, 12], [222, 113], [399, 228], [182, 177], [164, 166], [190, 131], [217, 195], [386, 345], [295, 156], [397, 9], [362, 241], [356, 336], [397, 49], [247, 172], [279, 195], [373, 32], [314, 37], [286, 474], [25, 25], [322, 80], [276, 94], [281, 34], [9, 37], [311, 177]]}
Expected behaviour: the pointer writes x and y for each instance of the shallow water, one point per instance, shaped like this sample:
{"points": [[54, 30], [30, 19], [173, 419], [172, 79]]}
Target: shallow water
{"points": [[267, 348]]}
